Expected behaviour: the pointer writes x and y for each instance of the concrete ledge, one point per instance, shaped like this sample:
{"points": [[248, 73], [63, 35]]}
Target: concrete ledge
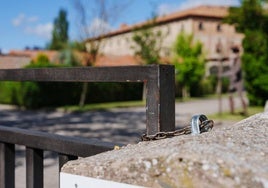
{"points": [[233, 156]]}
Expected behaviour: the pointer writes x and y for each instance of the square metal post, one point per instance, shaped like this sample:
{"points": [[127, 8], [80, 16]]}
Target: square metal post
{"points": [[7, 165], [34, 168], [160, 102]]}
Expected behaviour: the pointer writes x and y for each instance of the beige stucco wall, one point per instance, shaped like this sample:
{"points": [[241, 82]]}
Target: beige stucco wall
{"points": [[122, 44], [13, 62], [117, 45], [210, 37]]}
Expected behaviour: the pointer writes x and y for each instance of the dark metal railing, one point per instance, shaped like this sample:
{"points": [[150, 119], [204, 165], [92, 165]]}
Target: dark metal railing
{"points": [[160, 116], [36, 142]]}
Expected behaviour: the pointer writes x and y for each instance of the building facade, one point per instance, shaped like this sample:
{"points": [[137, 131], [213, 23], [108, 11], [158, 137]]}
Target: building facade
{"points": [[203, 22]]}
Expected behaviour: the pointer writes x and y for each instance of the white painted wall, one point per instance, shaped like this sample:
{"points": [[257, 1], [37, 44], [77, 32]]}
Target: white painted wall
{"points": [[75, 181]]}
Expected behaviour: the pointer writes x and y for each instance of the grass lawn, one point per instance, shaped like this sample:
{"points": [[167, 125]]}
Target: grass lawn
{"points": [[238, 115]]}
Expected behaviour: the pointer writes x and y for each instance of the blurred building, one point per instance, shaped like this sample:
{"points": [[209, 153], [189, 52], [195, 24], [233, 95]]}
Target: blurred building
{"points": [[204, 22], [13, 61], [20, 58]]}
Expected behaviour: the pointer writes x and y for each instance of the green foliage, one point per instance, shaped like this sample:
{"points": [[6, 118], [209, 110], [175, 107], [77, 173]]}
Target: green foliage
{"points": [[42, 59], [79, 46], [252, 20], [184, 46], [46, 94], [189, 62], [256, 79], [10, 93], [148, 44], [60, 31], [30, 95], [256, 43], [204, 87], [247, 17]]}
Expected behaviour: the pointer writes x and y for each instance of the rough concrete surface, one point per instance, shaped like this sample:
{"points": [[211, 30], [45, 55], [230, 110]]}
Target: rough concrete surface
{"points": [[230, 156]]}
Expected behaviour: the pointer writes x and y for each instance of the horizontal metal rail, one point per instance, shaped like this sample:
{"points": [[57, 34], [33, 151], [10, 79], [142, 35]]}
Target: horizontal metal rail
{"points": [[84, 74], [36, 142], [52, 142], [159, 81]]}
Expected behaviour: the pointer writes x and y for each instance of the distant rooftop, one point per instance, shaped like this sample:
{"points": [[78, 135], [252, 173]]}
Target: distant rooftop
{"points": [[51, 54], [207, 11]]}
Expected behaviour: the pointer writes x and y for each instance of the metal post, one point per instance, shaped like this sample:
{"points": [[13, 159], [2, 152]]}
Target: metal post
{"points": [[160, 102], [34, 168], [7, 165]]}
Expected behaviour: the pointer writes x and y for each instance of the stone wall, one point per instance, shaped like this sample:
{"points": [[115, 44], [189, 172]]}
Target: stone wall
{"points": [[233, 156]]}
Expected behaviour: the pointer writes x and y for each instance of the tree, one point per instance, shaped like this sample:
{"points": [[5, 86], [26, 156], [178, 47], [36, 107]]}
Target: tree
{"points": [[60, 31], [92, 24], [189, 62], [67, 57], [251, 18], [148, 43]]}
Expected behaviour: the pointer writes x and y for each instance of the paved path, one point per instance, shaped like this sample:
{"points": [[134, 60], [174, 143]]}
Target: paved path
{"points": [[123, 125]]}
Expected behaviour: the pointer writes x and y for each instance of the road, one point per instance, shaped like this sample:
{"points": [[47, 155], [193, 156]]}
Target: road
{"points": [[121, 125]]}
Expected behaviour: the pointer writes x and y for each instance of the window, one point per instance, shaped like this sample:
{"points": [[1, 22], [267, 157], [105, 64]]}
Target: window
{"points": [[218, 47], [200, 26], [213, 70], [219, 29]]}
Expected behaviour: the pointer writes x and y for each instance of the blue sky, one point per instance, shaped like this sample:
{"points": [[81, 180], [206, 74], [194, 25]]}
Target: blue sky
{"points": [[29, 22]]}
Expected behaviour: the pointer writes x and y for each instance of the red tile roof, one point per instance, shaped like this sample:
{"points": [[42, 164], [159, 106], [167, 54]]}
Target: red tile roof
{"points": [[113, 60], [21, 58], [202, 11], [33, 54], [218, 12], [122, 60], [13, 62]]}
